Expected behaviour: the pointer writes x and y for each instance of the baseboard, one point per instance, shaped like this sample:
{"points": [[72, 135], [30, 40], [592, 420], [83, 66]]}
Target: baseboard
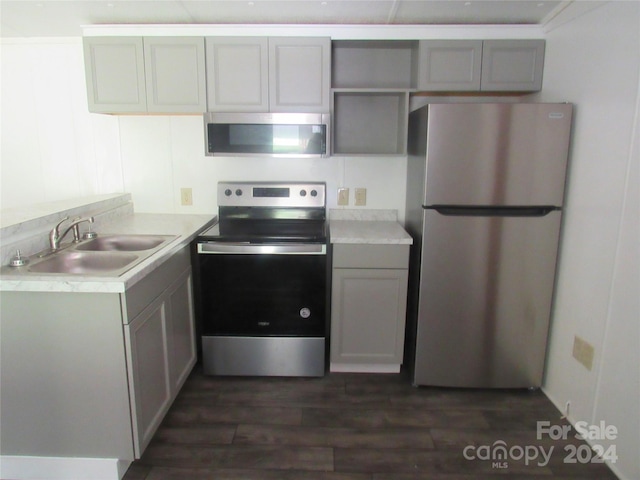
{"points": [[364, 368], [62, 468]]}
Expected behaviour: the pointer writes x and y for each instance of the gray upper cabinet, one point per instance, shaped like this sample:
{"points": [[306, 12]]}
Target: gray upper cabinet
{"points": [[512, 65], [371, 80], [139, 75], [259, 74], [175, 74], [373, 64], [115, 74], [237, 74], [299, 74], [477, 65], [449, 65]]}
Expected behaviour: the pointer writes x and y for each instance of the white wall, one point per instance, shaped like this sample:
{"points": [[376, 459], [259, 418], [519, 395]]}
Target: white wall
{"points": [[162, 154], [53, 149], [594, 62]]}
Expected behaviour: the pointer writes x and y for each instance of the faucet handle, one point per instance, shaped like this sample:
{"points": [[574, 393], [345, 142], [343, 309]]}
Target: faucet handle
{"points": [[57, 227], [54, 234]]}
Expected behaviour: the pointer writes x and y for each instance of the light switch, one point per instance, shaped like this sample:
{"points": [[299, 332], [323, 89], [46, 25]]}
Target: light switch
{"points": [[343, 196]]}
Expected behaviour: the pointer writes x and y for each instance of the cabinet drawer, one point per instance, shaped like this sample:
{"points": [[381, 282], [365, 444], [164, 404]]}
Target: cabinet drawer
{"points": [[359, 255], [142, 293]]}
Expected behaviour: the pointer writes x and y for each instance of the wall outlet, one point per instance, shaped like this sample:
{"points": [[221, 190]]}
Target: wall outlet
{"points": [[583, 352], [186, 196], [361, 196], [343, 196]]}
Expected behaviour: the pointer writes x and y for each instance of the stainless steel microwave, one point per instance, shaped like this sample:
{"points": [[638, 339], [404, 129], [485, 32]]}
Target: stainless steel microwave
{"points": [[267, 134]]}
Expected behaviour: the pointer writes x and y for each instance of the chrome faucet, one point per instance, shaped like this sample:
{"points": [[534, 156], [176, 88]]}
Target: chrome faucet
{"points": [[55, 237]]}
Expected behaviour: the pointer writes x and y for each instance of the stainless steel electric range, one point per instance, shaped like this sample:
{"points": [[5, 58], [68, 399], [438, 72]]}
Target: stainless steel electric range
{"points": [[261, 275]]}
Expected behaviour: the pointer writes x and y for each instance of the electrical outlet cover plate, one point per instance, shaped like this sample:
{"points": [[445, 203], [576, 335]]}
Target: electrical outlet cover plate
{"points": [[361, 196], [186, 196], [583, 352]]}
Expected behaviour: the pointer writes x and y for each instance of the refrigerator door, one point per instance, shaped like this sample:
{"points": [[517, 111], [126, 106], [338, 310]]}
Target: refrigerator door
{"points": [[484, 299], [496, 154]]}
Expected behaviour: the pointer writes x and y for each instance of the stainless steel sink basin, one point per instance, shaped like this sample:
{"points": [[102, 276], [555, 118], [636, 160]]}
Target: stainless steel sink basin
{"points": [[85, 263], [124, 243], [104, 256]]}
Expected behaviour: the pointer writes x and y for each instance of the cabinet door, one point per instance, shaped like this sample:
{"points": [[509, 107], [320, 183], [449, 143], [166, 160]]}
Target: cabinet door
{"points": [[237, 74], [449, 65], [181, 331], [512, 65], [114, 69], [148, 366], [299, 74], [175, 74], [368, 315]]}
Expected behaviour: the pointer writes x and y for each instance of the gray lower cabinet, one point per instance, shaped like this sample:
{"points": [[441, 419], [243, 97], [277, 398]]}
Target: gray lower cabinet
{"points": [[63, 369], [480, 65], [93, 374], [260, 74], [368, 307], [161, 353], [150, 74]]}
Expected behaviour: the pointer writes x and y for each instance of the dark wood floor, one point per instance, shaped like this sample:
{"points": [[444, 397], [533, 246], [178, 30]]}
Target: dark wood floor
{"points": [[351, 427]]}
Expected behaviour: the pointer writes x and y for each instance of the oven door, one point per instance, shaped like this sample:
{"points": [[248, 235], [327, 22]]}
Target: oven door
{"points": [[262, 290]]}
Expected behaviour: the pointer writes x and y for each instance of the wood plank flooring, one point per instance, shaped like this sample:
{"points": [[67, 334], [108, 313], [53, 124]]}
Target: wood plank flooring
{"points": [[352, 427]]}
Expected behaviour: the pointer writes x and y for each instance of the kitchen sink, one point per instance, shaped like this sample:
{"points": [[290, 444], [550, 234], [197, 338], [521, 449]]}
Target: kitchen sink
{"points": [[105, 256], [85, 263], [124, 243]]}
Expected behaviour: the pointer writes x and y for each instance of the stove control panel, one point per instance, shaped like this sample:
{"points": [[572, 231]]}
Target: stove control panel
{"points": [[271, 194]]}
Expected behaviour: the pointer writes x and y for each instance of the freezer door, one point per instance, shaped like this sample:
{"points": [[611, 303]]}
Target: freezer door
{"points": [[497, 154], [484, 300]]}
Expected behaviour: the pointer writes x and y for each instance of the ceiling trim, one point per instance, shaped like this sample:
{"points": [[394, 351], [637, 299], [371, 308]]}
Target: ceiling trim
{"points": [[336, 32], [568, 11]]}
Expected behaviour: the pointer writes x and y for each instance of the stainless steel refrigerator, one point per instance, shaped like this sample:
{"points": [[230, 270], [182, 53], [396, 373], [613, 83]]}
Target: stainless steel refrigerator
{"points": [[485, 186]]}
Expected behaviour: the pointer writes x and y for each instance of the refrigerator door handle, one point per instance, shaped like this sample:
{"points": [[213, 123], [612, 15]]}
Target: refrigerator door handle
{"points": [[483, 211]]}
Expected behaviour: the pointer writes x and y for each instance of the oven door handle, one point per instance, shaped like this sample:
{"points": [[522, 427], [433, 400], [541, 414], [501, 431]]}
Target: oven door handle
{"points": [[260, 249]]}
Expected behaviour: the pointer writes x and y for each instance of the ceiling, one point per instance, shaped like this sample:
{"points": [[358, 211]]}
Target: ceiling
{"points": [[45, 18]]}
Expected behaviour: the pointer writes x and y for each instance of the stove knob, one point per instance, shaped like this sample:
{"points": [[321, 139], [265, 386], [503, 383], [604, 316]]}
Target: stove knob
{"points": [[314, 193], [228, 192], [239, 192], [303, 193]]}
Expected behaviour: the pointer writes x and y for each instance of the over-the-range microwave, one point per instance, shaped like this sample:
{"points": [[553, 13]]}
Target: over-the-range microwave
{"points": [[267, 134]]}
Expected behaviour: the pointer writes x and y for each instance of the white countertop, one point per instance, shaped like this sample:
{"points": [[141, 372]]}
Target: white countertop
{"points": [[185, 227], [367, 227]]}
